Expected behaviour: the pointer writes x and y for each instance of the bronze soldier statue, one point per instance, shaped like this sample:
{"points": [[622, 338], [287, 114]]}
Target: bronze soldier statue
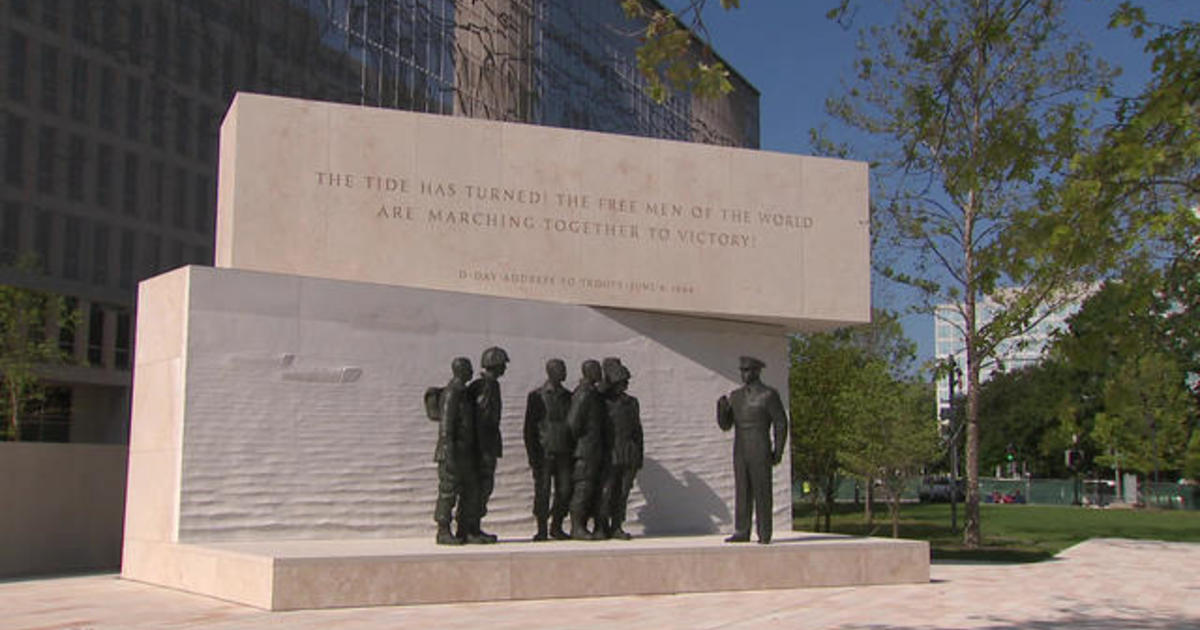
{"points": [[549, 446], [485, 391], [624, 458], [586, 420], [754, 411], [455, 457]]}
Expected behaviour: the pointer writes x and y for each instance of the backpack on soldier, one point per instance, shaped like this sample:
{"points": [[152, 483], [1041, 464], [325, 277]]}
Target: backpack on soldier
{"points": [[433, 407]]}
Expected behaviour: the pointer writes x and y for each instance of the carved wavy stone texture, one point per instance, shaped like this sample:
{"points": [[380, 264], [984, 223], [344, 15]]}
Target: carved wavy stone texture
{"points": [[304, 416]]}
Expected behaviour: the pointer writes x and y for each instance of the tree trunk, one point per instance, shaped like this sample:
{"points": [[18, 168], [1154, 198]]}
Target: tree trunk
{"points": [[895, 507], [869, 514], [14, 422]]}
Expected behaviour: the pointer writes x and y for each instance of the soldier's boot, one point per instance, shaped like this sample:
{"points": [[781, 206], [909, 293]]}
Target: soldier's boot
{"points": [[578, 530], [445, 536], [617, 532], [556, 530], [600, 529], [541, 531]]}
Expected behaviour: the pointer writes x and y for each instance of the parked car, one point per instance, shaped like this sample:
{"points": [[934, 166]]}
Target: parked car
{"points": [[939, 489]]}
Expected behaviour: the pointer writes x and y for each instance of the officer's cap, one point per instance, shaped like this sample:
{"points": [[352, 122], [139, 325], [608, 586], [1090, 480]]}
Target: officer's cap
{"points": [[751, 363]]}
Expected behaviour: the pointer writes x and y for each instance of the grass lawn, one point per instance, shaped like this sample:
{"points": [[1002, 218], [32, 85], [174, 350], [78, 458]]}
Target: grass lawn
{"points": [[1015, 533]]}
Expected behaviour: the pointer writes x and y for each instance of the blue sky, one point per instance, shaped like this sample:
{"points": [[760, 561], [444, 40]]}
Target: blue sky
{"points": [[796, 58]]}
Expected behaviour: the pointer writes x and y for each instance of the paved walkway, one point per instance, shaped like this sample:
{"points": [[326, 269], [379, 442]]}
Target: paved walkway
{"points": [[1101, 584]]}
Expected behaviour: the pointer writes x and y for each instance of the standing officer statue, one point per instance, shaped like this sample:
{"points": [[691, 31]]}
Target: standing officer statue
{"points": [[485, 390], [455, 456], [624, 458], [755, 412], [549, 445], [586, 418]]}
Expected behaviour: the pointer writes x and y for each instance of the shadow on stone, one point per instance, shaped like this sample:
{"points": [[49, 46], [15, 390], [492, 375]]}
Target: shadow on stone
{"points": [[676, 507]]}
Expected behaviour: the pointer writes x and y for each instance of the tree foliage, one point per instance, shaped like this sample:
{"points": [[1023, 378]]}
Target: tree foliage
{"points": [[849, 394], [889, 434], [976, 109], [1145, 425], [25, 346], [1023, 409], [673, 56]]}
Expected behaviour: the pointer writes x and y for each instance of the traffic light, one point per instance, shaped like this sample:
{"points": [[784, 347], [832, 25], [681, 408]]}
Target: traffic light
{"points": [[1010, 453]]}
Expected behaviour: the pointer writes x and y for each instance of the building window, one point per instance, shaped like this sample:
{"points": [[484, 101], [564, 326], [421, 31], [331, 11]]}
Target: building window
{"points": [[66, 334], [158, 116], [104, 184], [150, 255], [228, 81], [108, 86], [17, 47], [108, 26], [81, 21], [136, 40], [95, 347], [10, 237], [205, 133], [133, 107], [72, 247], [43, 238], [14, 150], [100, 255], [50, 14], [50, 78], [48, 419], [205, 75], [183, 52], [158, 181], [183, 129], [181, 197], [125, 280], [76, 156], [124, 340], [203, 189], [46, 160], [176, 259], [79, 88], [130, 196], [161, 33]]}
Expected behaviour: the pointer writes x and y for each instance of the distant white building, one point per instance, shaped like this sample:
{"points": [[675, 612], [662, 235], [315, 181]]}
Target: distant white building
{"points": [[1015, 353]]}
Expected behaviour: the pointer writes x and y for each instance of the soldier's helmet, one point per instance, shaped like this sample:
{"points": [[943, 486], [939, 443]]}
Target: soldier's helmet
{"points": [[493, 357]]}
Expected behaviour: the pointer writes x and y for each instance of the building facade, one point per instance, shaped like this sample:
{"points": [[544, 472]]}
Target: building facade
{"points": [[1014, 353], [110, 112]]}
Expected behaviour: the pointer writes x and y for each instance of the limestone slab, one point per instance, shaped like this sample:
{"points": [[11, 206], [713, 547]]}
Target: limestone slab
{"points": [[501, 209], [289, 575]]}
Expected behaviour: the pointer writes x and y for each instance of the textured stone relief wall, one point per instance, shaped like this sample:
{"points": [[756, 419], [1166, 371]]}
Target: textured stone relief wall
{"points": [[304, 414]]}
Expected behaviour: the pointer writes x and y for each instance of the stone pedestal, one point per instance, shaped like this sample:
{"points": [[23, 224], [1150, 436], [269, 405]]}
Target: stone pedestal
{"points": [[289, 575]]}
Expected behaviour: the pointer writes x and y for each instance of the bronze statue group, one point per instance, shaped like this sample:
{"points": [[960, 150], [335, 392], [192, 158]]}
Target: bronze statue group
{"points": [[584, 448]]}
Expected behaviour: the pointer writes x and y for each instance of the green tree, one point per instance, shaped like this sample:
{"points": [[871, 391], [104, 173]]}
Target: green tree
{"points": [[1145, 425], [889, 433], [1023, 409], [823, 365], [25, 346], [977, 107]]}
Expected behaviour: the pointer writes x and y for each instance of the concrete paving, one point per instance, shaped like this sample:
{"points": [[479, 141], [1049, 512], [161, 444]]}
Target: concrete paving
{"points": [[1106, 584]]}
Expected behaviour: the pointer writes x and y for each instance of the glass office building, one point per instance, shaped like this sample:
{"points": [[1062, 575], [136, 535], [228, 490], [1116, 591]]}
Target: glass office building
{"points": [[110, 109]]}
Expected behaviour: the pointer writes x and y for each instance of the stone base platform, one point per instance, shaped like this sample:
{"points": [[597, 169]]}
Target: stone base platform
{"points": [[290, 575]]}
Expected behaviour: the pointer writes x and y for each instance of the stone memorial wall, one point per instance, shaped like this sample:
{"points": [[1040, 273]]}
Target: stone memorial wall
{"points": [[400, 198]]}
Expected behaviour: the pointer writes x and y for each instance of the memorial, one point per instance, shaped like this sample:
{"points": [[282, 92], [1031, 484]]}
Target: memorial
{"points": [[281, 451]]}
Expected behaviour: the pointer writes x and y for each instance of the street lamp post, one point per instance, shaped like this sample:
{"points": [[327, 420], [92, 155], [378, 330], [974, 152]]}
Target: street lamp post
{"points": [[953, 375]]}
